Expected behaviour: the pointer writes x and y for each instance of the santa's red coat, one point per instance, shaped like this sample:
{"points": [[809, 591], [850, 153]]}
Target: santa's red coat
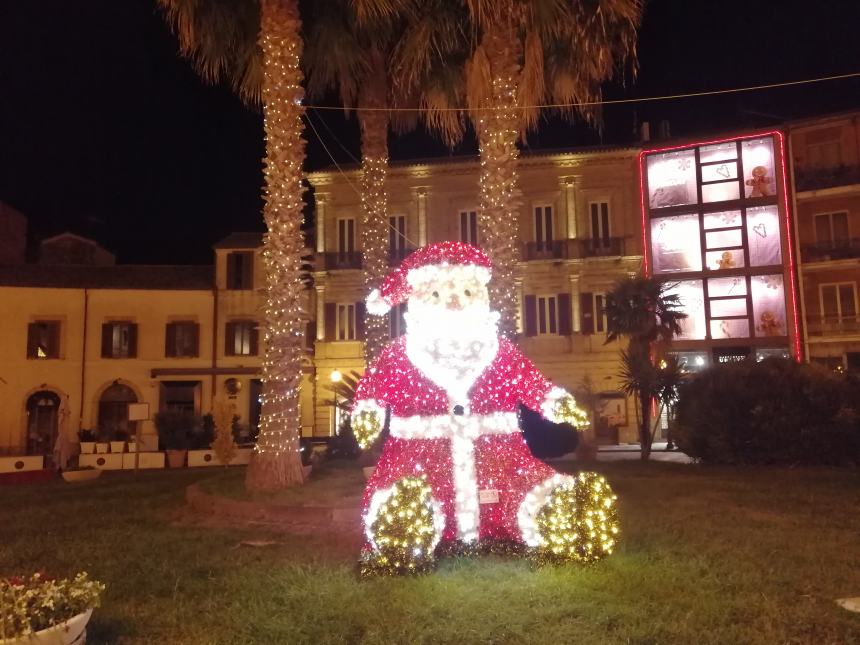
{"points": [[502, 461]]}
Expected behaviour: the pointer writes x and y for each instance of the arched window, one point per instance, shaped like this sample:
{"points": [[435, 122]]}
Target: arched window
{"points": [[43, 417], [113, 413]]}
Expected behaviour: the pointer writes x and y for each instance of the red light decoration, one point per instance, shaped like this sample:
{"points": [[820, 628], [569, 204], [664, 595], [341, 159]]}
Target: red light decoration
{"points": [[796, 350]]}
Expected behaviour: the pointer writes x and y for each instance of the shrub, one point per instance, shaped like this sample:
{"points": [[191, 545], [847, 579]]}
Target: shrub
{"points": [[31, 604], [546, 439], [773, 412], [178, 430]]}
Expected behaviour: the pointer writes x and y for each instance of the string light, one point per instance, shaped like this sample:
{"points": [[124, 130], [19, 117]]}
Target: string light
{"points": [[276, 461], [454, 387]]}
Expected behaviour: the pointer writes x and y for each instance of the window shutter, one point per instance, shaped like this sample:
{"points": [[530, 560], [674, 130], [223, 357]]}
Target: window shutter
{"points": [[54, 340], [359, 320], [107, 338], [531, 315], [255, 338], [586, 308], [229, 339], [247, 270], [32, 334], [132, 341], [170, 340], [564, 314], [195, 340], [330, 310]]}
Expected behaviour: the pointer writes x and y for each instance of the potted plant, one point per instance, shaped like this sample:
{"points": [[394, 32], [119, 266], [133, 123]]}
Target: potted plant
{"points": [[87, 439], [81, 473], [103, 439], [117, 444], [42, 610], [175, 429]]}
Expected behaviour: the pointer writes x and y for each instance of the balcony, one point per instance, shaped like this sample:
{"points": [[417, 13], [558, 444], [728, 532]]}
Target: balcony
{"points": [[818, 178], [834, 326], [834, 250], [396, 256], [574, 249], [338, 260]]}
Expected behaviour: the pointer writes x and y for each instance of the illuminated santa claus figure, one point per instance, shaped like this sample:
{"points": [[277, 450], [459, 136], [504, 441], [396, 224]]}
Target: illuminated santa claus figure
{"points": [[453, 385]]}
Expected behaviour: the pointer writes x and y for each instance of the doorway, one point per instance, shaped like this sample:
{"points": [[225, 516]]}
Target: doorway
{"points": [[43, 420], [113, 413]]}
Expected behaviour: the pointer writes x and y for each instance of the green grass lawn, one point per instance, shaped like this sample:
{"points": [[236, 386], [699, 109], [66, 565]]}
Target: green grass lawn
{"points": [[708, 556]]}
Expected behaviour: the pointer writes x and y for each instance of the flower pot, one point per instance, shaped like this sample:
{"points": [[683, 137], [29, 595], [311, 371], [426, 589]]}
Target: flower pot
{"points": [[368, 471], [176, 458], [81, 475], [102, 447], [87, 447], [117, 446], [71, 632], [132, 446]]}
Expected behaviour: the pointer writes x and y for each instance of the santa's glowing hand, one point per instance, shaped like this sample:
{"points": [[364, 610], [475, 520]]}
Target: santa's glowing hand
{"points": [[561, 407], [367, 420]]}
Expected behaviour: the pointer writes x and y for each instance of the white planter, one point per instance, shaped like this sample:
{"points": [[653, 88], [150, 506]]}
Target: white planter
{"points": [[71, 632], [87, 447], [144, 460], [132, 446], [21, 464], [117, 446], [102, 461], [102, 447], [81, 475]]}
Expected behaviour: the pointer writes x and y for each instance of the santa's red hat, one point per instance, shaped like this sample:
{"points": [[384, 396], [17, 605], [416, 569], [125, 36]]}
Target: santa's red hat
{"points": [[398, 285]]}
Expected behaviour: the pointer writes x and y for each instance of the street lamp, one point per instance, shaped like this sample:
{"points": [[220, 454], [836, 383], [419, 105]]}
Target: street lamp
{"points": [[335, 377]]}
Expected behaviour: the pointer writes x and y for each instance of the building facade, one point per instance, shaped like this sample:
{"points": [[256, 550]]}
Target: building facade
{"points": [[579, 233], [825, 159]]}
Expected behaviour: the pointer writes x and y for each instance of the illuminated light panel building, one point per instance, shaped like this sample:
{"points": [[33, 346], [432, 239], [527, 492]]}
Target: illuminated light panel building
{"points": [[716, 225]]}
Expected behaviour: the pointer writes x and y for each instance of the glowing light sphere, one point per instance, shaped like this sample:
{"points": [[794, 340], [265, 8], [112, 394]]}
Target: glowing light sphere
{"points": [[579, 522]]}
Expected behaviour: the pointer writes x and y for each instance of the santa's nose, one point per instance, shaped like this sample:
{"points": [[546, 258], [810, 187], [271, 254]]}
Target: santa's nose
{"points": [[454, 302]]}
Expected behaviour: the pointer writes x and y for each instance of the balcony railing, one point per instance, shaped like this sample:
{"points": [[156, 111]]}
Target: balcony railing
{"points": [[834, 326], [574, 249], [817, 178], [834, 250], [338, 260], [396, 256]]}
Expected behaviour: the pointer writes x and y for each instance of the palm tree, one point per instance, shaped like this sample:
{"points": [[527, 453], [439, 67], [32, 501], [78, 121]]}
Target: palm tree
{"points": [[642, 310], [258, 46], [348, 49], [505, 59]]}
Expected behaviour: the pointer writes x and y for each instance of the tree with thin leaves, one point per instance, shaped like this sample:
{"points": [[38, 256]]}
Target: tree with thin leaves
{"points": [[644, 311]]}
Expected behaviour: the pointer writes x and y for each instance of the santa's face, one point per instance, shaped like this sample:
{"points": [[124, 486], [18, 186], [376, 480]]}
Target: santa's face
{"points": [[451, 333]]}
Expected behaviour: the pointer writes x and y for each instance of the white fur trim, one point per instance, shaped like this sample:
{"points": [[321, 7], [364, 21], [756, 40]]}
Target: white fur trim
{"points": [[548, 405], [533, 502], [380, 497], [376, 304]]}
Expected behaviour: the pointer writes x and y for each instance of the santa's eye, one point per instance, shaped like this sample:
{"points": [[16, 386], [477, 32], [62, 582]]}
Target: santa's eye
{"points": [[467, 293], [436, 294]]}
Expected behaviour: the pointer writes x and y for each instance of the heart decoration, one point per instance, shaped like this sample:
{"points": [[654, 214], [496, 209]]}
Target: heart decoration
{"points": [[723, 171], [760, 230]]}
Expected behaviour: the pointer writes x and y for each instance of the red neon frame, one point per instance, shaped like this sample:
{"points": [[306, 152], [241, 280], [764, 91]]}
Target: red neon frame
{"points": [[788, 224]]}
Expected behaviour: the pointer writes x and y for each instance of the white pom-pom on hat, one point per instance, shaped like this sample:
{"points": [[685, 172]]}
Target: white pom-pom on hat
{"points": [[376, 304]]}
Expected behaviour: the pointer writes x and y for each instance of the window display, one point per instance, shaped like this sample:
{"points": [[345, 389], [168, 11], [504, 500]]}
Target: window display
{"points": [[722, 192], [768, 296], [675, 244], [721, 287], [672, 179], [731, 328], [723, 219], [763, 236], [724, 308], [720, 260], [692, 301], [724, 239], [757, 155], [719, 152], [720, 171]]}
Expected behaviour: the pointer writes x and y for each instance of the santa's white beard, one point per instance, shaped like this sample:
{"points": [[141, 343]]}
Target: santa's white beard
{"points": [[451, 347]]}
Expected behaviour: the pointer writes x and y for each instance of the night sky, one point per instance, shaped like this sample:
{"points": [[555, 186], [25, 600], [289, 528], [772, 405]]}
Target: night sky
{"points": [[106, 132]]}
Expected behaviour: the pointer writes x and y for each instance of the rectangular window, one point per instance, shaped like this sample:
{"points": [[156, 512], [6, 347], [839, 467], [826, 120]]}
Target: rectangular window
{"points": [[543, 223], [824, 147], [547, 315], [346, 236], [396, 233], [180, 396], [241, 338], [599, 313], [345, 323], [600, 232], [832, 228], [43, 339], [469, 227], [119, 340], [396, 322], [838, 302], [182, 339], [240, 270]]}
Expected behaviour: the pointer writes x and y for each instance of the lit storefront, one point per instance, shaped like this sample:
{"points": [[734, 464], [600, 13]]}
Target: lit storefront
{"points": [[716, 227]]}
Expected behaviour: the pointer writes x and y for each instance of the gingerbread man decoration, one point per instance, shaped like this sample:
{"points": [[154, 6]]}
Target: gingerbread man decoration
{"points": [[726, 260], [759, 182]]}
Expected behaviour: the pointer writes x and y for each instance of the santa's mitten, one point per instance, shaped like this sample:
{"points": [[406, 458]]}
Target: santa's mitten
{"points": [[559, 406], [368, 417]]}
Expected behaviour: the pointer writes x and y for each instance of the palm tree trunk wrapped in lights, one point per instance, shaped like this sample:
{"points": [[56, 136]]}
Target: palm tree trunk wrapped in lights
{"points": [[276, 462], [374, 201], [492, 87]]}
